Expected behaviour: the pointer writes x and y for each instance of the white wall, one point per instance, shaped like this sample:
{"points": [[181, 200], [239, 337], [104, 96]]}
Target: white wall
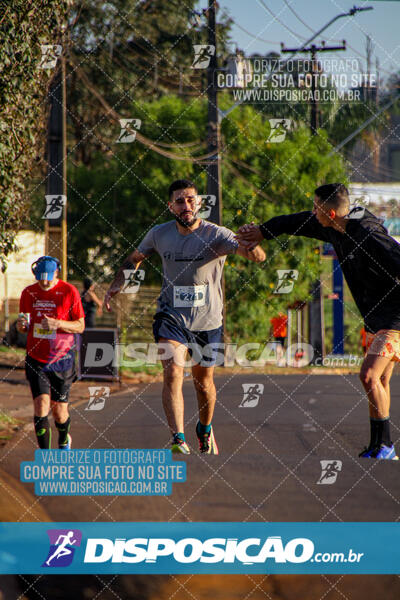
{"points": [[31, 246]]}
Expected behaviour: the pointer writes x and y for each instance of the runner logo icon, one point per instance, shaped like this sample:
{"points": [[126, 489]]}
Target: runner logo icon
{"points": [[54, 206], [286, 279], [98, 395], [279, 129], [202, 55], [133, 279], [329, 471], [207, 202], [62, 547], [50, 54], [129, 127], [251, 394]]}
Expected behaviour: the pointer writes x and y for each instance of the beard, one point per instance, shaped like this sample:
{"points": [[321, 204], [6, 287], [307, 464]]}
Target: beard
{"points": [[186, 223]]}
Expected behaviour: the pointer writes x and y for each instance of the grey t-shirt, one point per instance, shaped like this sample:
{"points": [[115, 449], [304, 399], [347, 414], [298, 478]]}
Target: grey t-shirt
{"points": [[192, 271]]}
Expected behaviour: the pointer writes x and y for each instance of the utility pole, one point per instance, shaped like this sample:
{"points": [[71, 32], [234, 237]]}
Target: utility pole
{"points": [[56, 229], [313, 49], [315, 306], [213, 167], [213, 164]]}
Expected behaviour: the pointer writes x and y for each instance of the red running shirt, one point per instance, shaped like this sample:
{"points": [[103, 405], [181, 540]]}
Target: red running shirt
{"points": [[279, 325], [60, 302]]}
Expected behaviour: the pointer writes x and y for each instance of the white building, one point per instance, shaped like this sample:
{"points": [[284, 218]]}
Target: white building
{"points": [[31, 245], [382, 199]]}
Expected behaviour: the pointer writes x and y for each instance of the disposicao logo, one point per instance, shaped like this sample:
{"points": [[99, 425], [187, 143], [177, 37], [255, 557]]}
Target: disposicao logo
{"points": [[191, 550], [62, 547]]}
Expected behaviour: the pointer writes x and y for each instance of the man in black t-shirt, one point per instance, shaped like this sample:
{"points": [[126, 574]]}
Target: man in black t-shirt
{"points": [[370, 260]]}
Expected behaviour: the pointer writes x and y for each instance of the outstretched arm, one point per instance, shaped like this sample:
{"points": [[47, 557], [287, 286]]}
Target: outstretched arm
{"points": [[299, 224], [248, 250], [132, 262]]}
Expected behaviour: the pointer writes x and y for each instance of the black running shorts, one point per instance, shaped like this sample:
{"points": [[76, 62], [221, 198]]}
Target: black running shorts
{"points": [[54, 379]]}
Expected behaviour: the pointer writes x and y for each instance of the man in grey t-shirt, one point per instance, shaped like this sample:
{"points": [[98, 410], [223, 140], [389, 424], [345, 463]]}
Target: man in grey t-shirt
{"points": [[189, 314]]}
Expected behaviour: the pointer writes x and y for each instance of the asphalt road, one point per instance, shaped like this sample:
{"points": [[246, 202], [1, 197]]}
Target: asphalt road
{"points": [[269, 461]]}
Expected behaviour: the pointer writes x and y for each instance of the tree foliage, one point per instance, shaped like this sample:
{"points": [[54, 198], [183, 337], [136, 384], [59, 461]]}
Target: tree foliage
{"points": [[132, 51], [124, 193], [24, 26]]}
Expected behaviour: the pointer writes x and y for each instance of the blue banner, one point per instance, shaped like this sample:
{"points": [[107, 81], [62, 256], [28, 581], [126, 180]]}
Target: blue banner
{"points": [[149, 548], [129, 472]]}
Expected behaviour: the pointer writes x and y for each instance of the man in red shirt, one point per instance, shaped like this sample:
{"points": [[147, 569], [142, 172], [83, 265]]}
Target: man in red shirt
{"points": [[279, 328], [279, 332], [51, 312]]}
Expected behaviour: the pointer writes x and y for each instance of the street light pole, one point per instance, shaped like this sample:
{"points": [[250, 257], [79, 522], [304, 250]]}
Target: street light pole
{"points": [[351, 13], [213, 167]]}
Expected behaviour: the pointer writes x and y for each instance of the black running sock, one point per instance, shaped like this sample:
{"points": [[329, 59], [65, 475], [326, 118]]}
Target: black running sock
{"points": [[380, 432], [63, 430], [373, 423], [43, 432], [203, 429], [385, 435]]}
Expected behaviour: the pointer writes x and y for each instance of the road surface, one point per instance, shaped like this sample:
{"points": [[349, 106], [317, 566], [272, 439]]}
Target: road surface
{"points": [[269, 461]]}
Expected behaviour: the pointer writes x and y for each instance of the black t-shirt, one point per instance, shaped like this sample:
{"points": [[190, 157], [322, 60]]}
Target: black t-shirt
{"points": [[89, 308], [369, 258]]}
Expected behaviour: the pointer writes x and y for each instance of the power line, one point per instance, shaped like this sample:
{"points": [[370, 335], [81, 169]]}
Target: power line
{"points": [[171, 84], [152, 53], [313, 49], [351, 13], [238, 174], [299, 18], [256, 37], [113, 115], [248, 167], [310, 29], [297, 35]]}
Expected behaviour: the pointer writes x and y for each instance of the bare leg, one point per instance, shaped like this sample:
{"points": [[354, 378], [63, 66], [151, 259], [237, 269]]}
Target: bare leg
{"points": [[385, 379], [172, 396], [203, 378], [60, 411], [373, 370], [41, 405]]}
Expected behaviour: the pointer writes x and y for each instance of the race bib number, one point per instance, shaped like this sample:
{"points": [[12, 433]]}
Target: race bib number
{"points": [[44, 334], [189, 295]]}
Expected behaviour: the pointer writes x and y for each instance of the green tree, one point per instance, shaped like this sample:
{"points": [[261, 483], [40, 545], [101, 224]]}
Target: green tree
{"points": [[131, 51], [124, 193], [24, 27], [287, 174]]}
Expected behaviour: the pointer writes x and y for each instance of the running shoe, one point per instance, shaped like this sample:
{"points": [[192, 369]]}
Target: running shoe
{"points": [[366, 453], [179, 446], [385, 453], [68, 445], [207, 442]]}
